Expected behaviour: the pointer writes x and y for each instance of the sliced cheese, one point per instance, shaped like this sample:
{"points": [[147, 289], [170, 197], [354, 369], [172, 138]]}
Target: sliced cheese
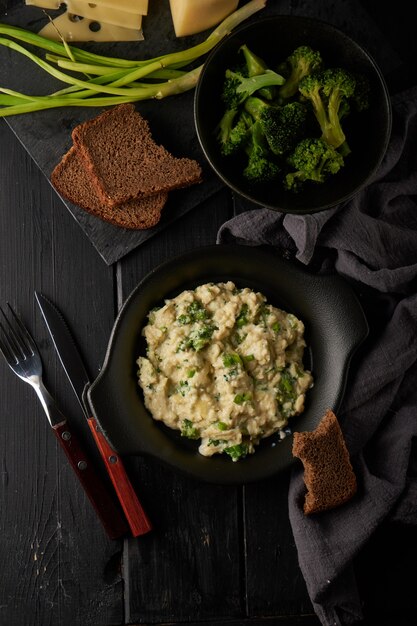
{"points": [[44, 4], [139, 7], [73, 29], [130, 6], [99, 13], [194, 16]]}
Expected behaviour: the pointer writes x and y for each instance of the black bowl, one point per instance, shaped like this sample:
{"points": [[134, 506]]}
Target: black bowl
{"points": [[273, 39], [335, 326]]}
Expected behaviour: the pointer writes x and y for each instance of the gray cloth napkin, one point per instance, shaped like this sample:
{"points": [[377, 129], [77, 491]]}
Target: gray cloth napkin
{"points": [[372, 242]]}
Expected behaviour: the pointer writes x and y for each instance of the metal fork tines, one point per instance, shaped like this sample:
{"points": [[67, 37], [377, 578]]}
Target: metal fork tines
{"points": [[20, 351]]}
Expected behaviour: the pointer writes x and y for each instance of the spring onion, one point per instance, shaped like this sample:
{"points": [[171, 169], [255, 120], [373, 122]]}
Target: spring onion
{"points": [[98, 80]]}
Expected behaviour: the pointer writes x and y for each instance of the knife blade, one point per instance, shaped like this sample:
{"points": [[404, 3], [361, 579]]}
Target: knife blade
{"points": [[76, 372]]}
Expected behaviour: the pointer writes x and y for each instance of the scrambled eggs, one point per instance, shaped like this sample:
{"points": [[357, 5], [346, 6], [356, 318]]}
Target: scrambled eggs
{"points": [[223, 366]]}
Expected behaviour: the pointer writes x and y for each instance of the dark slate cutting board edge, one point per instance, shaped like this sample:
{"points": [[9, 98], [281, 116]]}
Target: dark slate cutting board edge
{"points": [[46, 135]]}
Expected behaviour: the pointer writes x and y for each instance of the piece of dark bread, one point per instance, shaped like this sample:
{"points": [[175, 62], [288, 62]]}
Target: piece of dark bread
{"points": [[125, 161], [328, 473], [71, 179]]}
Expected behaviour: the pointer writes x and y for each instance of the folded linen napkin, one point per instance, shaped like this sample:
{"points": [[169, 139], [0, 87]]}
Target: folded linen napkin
{"points": [[372, 242]]}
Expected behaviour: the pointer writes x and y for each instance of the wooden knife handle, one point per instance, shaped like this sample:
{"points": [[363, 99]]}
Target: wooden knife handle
{"points": [[95, 488], [137, 519]]}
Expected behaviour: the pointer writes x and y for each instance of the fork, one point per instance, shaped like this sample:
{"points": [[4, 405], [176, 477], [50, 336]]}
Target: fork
{"points": [[21, 354]]}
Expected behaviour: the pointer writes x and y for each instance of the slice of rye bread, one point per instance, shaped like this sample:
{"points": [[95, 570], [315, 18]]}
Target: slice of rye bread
{"points": [[328, 473], [125, 162], [71, 179]]}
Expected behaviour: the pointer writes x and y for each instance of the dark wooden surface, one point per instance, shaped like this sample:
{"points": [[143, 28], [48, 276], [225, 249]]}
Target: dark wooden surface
{"points": [[217, 555]]}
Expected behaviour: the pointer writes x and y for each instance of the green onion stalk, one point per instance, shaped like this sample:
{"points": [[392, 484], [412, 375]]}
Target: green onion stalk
{"points": [[98, 80]]}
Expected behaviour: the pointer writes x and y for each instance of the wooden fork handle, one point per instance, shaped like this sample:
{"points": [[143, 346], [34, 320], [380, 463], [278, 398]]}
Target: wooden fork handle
{"points": [[97, 491], [137, 519]]}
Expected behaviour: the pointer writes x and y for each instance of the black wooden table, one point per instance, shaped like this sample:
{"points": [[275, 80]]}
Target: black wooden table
{"points": [[218, 554]]}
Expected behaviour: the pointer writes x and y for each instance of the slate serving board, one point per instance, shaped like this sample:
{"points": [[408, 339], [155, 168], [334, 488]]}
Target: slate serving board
{"points": [[46, 135]]}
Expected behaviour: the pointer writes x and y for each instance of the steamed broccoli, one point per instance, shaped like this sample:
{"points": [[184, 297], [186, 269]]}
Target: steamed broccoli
{"points": [[358, 102], [224, 128], [260, 167], [326, 91], [229, 95], [301, 62], [237, 87], [233, 97], [344, 109], [265, 113], [232, 131], [239, 133], [289, 125], [254, 64], [283, 126], [312, 159], [293, 127], [254, 67]]}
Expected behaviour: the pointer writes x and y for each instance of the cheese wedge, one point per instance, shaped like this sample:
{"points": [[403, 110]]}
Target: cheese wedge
{"points": [[194, 16], [73, 29]]}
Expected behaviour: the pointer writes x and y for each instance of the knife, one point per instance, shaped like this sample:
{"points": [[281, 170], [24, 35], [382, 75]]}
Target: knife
{"points": [[76, 372]]}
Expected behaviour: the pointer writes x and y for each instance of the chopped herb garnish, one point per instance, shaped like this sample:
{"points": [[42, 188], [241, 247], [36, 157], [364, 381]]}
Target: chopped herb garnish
{"points": [[232, 373], [239, 451], [195, 312], [286, 383], [240, 398], [184, 319], [286, 390], [262, 315], [215, 442], [182, 387], [202, 336], [190, 373], [189, 430], [222, 426], [248, 357], [237, 338], [197, 339], [231, 359], [242, 318], [276, 327]]}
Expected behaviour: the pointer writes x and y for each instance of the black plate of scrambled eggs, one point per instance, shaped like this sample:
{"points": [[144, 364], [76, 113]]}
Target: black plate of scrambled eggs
{"points": [[334, 327]]}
